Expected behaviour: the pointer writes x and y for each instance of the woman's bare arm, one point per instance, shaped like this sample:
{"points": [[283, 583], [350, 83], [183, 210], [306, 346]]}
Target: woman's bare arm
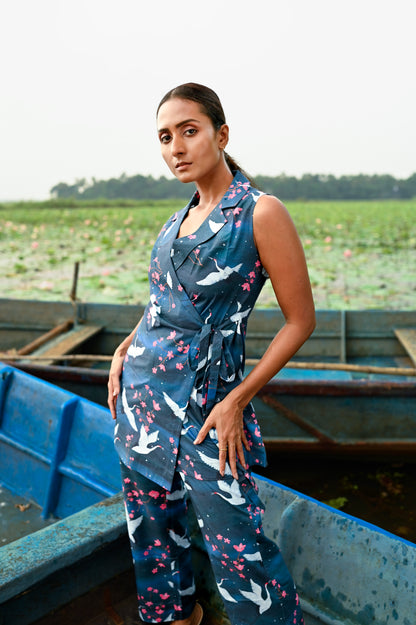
{"points": [[116, 369], [282, 256]]}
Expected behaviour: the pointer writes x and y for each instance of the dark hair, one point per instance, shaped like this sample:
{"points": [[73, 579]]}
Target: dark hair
{"points": [[210, 105]]}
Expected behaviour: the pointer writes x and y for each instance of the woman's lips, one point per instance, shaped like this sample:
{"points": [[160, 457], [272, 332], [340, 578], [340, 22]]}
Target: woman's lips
{"points": [[182, 165]]}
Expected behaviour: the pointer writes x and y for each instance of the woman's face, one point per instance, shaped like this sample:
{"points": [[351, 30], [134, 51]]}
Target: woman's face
{"points": [[190, 145]]}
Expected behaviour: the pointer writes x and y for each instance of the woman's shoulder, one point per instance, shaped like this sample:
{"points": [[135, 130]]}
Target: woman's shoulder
{"points": [[269, 207]]}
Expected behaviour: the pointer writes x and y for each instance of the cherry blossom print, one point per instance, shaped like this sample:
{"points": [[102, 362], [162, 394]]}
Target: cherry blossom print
{"points": [[186, 355]]}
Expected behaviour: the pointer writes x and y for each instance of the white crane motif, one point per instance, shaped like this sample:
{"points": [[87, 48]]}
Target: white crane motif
{"points": [[252, 557], [239, 316], [187, 591], [233, 489], [135, 351], [214, 463], [215, 226], [145, 440], [176, 494], [224, 593], [197, 397], [154, 309], [176, 409], [256, 597], [129, 413], [220, 274], [181, 541], [132, 525]]}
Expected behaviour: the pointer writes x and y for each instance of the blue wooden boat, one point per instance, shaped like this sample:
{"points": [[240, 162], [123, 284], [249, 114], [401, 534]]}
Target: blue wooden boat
{"points": [[56, 449], [350, 390]]}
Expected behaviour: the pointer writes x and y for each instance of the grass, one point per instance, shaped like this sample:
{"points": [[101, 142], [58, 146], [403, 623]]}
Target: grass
{"points": [[360, 254]]}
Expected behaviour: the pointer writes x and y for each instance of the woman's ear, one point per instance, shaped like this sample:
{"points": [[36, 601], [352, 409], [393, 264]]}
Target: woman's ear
{"points": [[223, 136]]}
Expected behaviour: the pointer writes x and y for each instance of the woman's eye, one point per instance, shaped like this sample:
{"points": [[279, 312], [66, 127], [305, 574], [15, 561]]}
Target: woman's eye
{"points": [[164, 138], [190, 131]]}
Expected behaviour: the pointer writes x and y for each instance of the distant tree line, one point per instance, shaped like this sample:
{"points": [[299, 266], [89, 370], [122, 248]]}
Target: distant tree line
{"points": [[308, 187]]}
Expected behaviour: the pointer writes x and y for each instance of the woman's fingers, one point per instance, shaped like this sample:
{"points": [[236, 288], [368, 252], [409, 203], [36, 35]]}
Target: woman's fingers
{"points": [[240, 454], [231, 451], [202, 433], [232, 459], [112, 400], [223, 452], [113, 392]]}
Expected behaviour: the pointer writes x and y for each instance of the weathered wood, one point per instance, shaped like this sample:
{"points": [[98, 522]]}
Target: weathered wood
{"points": [[341, 366], [62, 356], [407, 337], [47, 336], [317, 366], [270, 400], [65, 343]]}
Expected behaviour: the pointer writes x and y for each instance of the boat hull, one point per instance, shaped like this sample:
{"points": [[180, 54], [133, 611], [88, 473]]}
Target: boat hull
{"points": [[346, 570], [368, 410]]}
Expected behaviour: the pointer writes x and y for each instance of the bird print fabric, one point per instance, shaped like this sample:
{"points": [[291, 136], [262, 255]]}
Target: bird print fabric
{"points": [[251, 575], [187, 354], [190, 343]]}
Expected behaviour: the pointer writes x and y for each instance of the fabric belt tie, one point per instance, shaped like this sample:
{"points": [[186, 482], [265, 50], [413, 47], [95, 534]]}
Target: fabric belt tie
{"points": [[210, 351]]}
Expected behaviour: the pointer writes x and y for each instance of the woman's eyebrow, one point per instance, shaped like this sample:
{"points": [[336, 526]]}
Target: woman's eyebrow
{"points": [[186, 121]]}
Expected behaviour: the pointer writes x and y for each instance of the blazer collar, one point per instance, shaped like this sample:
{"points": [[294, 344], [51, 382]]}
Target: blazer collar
{"points": [[237, 189], [181, 248]]}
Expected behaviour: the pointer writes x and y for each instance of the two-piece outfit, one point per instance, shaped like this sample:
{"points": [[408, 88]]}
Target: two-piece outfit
{"points": [[187, 354]]}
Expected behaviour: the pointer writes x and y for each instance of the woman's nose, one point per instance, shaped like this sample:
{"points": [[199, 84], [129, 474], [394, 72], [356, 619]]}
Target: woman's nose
{"points": [[177, 145]]}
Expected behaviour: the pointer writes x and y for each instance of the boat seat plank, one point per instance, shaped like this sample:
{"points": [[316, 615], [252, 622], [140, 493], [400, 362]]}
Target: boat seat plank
{"points": [[67, 343], [46, 337], [407, 337]]}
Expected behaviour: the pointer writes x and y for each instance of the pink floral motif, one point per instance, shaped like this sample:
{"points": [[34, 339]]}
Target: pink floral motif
{"points": [[239, 547]]}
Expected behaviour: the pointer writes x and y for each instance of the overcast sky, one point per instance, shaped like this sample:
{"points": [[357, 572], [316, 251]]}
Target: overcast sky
{"points": [[308, 86]]}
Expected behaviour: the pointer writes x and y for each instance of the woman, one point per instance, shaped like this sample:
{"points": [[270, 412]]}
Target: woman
{"points": [[185, 425]]}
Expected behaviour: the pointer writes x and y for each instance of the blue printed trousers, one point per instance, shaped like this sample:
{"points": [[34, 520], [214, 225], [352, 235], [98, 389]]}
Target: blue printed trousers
{"points": [[251, 575]]}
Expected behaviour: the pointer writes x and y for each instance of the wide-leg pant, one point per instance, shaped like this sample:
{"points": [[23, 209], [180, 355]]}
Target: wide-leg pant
{"points": [[249, 569]]}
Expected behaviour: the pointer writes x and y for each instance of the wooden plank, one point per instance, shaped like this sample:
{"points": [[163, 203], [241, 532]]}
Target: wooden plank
{"points": [[46, 337], [313, 366], [407, 337], [66, 343]]}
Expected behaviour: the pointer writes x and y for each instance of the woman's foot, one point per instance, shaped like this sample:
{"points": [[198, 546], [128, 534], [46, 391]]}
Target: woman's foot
{"points": [[194, 619]]}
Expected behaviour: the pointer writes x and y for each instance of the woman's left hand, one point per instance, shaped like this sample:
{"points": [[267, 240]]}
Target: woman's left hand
{"points": [[227, 418]]}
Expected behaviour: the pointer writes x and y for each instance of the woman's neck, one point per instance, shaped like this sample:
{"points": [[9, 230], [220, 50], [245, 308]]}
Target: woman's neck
{"points": [[212, 188]]}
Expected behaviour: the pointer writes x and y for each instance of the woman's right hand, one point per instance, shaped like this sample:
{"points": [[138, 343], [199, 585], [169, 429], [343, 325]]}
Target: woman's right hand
{"points": [[114, 379], [116, 369]]}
